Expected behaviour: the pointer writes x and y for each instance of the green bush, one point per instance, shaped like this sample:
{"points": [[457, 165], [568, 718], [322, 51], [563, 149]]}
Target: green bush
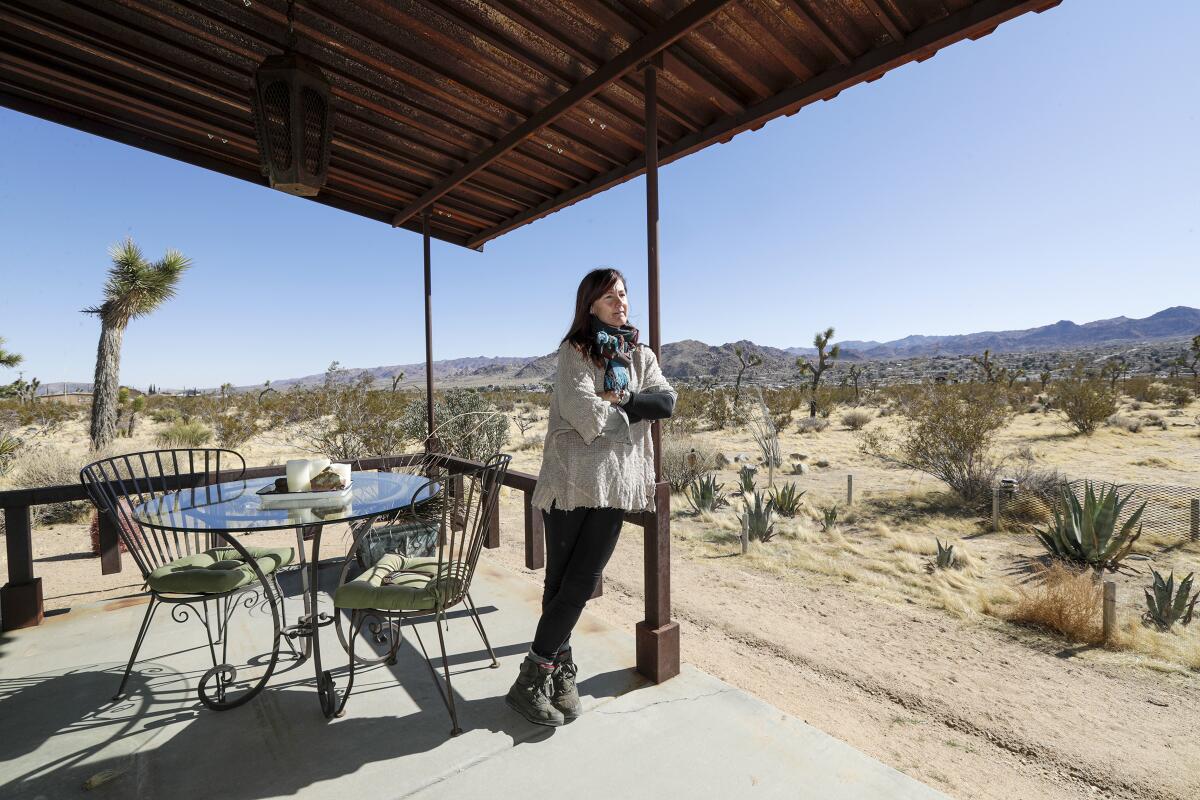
{"points": [[465, 424], [1086, 401], [184, 434]]}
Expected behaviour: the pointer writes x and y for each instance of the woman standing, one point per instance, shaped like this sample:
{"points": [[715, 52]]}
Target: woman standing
{"points": [[597, 463]]}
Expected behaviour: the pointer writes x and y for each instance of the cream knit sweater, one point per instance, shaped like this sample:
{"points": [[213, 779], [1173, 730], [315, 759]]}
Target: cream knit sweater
{"points": [[593, 457]]}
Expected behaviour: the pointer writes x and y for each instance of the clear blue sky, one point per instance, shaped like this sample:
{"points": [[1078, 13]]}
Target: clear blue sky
{"points": [[1045, 172]]}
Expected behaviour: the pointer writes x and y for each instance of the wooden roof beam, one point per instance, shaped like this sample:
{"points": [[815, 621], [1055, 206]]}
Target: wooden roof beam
{"points": [[983, 16], [671, 31]]}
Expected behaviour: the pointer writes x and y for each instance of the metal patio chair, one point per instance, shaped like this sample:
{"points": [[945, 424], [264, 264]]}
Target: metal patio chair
{"points": [[185, 570], [459, 508]]}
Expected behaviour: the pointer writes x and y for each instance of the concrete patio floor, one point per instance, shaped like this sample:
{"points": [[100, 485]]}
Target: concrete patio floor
{"points": [[692, 736]]}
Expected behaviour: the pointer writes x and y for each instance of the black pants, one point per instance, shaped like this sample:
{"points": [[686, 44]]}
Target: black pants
{"points": [[579, 543]]}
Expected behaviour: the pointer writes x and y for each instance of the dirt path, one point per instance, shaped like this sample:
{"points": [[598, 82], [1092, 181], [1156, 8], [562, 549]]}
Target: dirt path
{"points": [[971, 708]]}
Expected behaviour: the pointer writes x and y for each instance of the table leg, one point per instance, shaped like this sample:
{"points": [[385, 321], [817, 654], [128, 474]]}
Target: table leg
{"points": [[309, 607]]}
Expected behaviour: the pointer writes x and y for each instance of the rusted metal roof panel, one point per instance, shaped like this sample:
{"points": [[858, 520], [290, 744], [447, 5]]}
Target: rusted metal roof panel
{"points": [[487, 114]]}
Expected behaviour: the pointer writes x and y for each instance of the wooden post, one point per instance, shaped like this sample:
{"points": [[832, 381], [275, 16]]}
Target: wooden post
{"points": [[1195, 519], [1110, 610], [110, 545], [535, 534], [431, 444], [995, 508], [849, 490], [492, 540], [745, 533], [20, 598]]}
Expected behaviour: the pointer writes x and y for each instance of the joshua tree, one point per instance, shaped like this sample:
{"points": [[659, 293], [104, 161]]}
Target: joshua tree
{"points": [[855, 374], [746, 361], [135, 287], [1191, 360], [987, 365], [399, 376], [8, 359], [1044, 379], [824, 359]]}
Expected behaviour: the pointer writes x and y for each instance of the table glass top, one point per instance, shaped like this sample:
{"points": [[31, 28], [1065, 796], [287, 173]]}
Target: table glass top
{"points": [[236, 506]]}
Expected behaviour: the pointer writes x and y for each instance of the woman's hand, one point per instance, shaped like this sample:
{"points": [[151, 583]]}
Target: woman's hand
{"points": [[611, 397]]}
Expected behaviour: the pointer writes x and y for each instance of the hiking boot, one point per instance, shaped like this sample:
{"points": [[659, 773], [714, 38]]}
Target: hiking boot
{"points": [[565, 695], [530, 695]]}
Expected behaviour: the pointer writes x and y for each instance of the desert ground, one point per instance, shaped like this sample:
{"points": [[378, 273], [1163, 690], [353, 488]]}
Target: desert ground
{"points": [[852, 630]]}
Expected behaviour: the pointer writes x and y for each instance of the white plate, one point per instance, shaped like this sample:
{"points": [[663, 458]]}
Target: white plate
{"points": [[307, 499]]}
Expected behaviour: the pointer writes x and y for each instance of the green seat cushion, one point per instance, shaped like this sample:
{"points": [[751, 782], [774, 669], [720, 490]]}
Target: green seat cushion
{"points": [[402, 583], [221, 569]]}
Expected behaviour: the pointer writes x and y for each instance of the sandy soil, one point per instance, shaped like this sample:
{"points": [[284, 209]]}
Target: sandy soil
{"points": [[848, 631]]}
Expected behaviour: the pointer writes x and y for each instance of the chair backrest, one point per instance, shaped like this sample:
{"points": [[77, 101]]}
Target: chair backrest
{"points": [[117, 485], [468, 500]]}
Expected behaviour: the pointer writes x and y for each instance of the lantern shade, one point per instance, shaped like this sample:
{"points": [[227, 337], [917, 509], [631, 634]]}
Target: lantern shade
{"points": [[294, 122]]}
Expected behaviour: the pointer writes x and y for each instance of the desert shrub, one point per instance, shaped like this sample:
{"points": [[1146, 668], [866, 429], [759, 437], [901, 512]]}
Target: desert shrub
{"points": [[466, 426], [1064, 600], [1131, 424], [685, 461], [746, 478], [1085, 400], [1088, 533], [948, 433], [233, 424], [49, 466], [1144, 389], [786, 499], [757, 516], [344, 420], [857, 419], [782, 403], [812, 424], [1180, 396], [1166, 606], [762, 429], [47, 414], [184, 434], [720, 410], [10, 446], [688, 413], [705, 494], [164, 414]]}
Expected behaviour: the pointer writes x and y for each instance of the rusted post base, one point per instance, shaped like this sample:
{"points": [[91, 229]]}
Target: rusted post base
{"points": [[21, 605], [658, 651]]}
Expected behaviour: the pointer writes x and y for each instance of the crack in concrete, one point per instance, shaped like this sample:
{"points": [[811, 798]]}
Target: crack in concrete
{"points": [[663, 702]]}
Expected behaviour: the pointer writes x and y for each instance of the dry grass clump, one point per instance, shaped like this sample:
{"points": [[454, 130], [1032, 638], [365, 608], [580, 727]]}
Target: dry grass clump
{"points": [[1065, 601], [812, 425], [49, 466], [1130, 424], [1180, 645], [857, 419]]}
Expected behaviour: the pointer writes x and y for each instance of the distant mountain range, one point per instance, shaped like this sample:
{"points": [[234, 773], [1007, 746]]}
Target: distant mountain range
{"points": [[690, 358]]}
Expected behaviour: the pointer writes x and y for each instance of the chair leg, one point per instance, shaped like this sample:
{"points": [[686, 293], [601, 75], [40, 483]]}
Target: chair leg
{"points": [[137, 645], [479, 626], [447, 694], [455, 731]]}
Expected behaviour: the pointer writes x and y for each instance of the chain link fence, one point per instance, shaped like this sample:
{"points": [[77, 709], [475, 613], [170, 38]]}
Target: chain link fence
{"points": [[1172, 512]]}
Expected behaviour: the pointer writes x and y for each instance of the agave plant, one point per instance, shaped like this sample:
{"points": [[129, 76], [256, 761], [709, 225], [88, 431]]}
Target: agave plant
{"points": [[829, 517], [746, 478], [1088, 533], [945, 555], [757, 518], [1166, 606], [787, 499], [704, 494]]}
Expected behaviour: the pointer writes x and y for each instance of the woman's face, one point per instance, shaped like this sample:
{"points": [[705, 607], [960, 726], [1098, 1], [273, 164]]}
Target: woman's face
{"points": [[612, 307]]}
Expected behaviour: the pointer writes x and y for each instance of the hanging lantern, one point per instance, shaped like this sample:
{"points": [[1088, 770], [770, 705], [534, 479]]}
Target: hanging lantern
{"points": [[294, 121]]}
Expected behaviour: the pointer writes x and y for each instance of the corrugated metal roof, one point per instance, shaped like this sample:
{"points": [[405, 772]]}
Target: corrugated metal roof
{"points": [[439, 104]]}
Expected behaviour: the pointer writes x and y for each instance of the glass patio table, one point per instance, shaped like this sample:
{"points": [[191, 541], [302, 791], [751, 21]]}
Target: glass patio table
{"points": [[236, 507]]}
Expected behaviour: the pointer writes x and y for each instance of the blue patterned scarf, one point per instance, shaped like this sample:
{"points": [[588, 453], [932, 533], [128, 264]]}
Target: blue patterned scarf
{"points": [[615, 345]]}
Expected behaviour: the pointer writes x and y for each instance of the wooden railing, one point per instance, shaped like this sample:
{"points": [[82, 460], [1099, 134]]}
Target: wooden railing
{"points": [[657, 635]]}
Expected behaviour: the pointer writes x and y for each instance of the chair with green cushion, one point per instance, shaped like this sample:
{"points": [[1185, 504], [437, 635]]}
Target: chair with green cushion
{"points": [[455, 510], [182, 569]]}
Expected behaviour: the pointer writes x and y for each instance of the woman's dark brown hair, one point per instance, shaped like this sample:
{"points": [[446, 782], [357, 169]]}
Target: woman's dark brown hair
{"points": [[591, 288]]}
